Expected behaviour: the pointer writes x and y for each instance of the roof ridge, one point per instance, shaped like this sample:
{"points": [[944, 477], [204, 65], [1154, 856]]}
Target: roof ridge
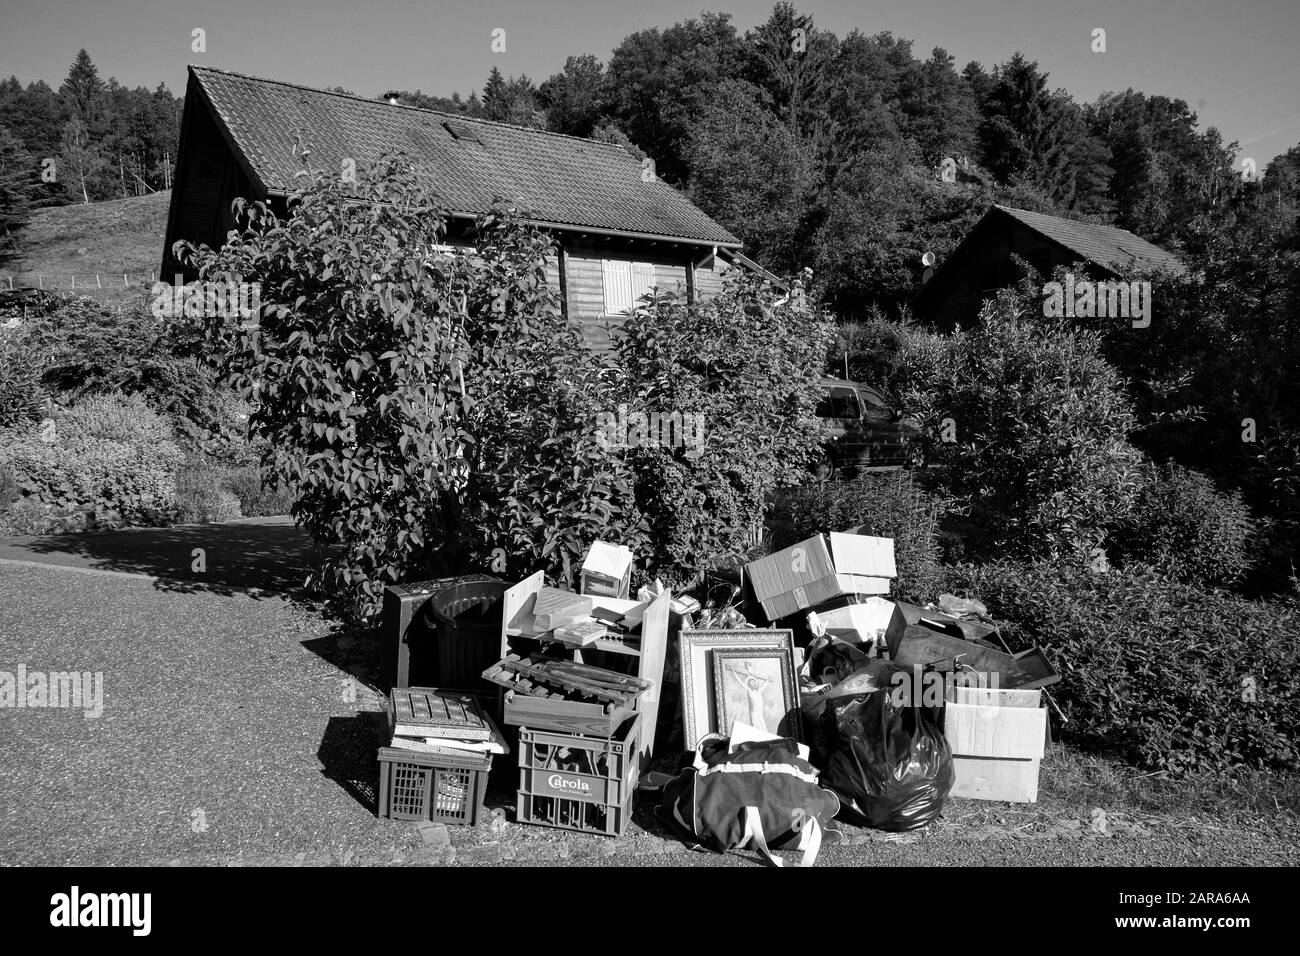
{"points": [[405, 106]]}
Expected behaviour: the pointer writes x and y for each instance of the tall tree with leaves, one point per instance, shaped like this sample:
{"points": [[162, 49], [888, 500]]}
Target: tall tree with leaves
{"points": [[1034, 135], [572, 98], [80, 163], [753, 172]]}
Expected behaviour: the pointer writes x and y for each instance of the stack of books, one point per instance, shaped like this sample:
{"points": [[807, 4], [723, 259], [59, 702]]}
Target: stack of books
{"points": [[449, 722]]}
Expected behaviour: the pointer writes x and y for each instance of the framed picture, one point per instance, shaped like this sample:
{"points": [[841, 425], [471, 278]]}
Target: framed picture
{"points": [[699, 703], [756, 687]]}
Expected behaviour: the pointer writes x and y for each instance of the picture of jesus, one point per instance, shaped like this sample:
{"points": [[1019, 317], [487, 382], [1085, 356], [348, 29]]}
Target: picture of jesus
{"points": [[753, 687]]}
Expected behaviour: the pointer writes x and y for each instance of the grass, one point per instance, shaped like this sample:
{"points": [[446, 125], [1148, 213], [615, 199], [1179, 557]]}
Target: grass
{"points": [[109, 238]]}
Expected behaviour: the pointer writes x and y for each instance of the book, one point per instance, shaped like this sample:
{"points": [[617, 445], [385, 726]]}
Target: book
{"points": [[429, 712], [580, 634], [441, 745]]}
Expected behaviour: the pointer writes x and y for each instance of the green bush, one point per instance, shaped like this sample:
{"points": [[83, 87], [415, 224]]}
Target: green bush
{"points": [[1040, 426], [255, 499], [85, 346], [200, 497], [423, 410], [1184, 525], [742, 370], [1170, 676], [888, 505], [21, 393], [110, 456]]}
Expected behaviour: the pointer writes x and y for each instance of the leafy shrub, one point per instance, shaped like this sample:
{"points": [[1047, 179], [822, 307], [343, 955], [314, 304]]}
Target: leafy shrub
{"points": [[85, 346], [745, 366], [1184, 525], [1171, 676], [541, 487], [419, 408], [1041, 424], [21, 393], [888, 505], [200, 497], [255, 499], [111, 456], [352, 369]]}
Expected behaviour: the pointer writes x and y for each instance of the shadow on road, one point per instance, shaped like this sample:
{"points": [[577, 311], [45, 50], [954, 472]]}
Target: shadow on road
{"points": [[269, 554]]}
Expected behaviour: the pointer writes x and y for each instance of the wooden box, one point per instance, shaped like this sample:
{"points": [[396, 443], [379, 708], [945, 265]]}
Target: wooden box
{"points": [[599, 718]]}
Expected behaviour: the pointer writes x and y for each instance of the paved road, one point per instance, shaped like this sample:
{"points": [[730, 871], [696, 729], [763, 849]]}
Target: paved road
{"points": [[265, 553], [227, 737]]}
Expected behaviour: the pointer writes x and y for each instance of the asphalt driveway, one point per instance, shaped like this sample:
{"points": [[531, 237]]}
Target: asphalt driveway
{"points": [[239, 726]]}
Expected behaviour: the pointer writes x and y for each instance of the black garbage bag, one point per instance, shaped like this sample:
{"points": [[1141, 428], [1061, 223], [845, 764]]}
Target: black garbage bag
{"points": [[890, 765]]}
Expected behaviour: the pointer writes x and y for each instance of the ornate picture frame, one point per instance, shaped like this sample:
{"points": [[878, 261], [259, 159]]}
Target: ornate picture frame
{"points": [[756, 685], [699, 710]]}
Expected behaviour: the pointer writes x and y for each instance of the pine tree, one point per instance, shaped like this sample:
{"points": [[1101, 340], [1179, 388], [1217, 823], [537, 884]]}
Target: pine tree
{"points": [[496, 96], [83, 90], [17, 186]]}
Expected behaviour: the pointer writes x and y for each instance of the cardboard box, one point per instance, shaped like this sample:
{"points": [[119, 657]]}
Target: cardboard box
{"points": [[607, 570], [996, 749], [860, 623], [814, 571], [995, 778]]}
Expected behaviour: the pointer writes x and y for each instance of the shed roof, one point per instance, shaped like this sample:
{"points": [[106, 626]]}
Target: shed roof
{"points": [[1107, 246]]}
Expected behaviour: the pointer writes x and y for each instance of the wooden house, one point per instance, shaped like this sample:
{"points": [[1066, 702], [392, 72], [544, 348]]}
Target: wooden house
{"points": [[619, 232], [983, 261]]}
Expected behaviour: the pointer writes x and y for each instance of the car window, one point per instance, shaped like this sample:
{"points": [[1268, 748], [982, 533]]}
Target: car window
{"points": [[840, 403]]}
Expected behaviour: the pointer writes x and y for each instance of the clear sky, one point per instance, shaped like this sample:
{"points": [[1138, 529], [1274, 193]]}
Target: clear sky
{"points": [[1236, 63]]}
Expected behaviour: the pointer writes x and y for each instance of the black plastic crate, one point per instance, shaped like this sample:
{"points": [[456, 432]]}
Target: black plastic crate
{"points": [[439, 787]]}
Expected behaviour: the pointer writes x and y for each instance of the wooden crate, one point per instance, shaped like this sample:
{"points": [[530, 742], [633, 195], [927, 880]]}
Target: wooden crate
{"points": [[649, 652], [442, 788], [596, 718], [578, 781]]}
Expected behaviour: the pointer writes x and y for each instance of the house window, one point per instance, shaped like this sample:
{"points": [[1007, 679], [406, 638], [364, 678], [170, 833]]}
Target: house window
{"points": [[625, 283]]}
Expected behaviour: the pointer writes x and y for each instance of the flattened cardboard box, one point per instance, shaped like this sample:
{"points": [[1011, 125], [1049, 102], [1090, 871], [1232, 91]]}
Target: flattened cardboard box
{"points": [[805, 574]]}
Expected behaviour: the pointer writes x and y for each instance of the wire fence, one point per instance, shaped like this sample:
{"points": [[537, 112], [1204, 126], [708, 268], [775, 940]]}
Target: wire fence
{"points": [[76, 281]]}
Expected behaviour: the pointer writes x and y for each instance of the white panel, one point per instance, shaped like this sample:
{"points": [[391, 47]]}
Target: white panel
{"points": [[618, 285], [643, 280]]}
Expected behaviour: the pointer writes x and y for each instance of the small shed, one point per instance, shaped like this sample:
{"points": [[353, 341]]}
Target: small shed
{"points": [[982, 263]]}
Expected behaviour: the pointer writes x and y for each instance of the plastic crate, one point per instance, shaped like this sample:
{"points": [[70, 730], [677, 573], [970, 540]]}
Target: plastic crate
{"points": [[443, 788], [578, 781]]}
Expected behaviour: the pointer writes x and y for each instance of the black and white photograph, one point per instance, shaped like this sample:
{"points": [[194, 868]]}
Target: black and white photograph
{"points": [[398, 400]]}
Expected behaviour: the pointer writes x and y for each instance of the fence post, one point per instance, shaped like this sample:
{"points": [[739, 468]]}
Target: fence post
{"points": [[99, 284], [74, 280], [125, 284], [40, 280]]}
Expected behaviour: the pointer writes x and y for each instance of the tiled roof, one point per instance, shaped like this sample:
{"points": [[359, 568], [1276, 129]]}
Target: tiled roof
{"points": [[1107, 246], [562, 180]]}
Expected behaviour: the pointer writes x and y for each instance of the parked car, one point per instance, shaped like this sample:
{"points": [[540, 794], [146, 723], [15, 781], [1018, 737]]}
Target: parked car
{"points": [[865, 431]]}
